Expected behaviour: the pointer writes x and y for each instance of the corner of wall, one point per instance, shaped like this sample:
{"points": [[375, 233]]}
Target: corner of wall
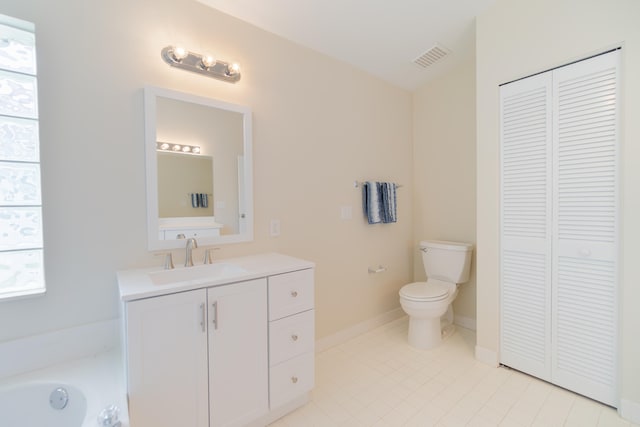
{"points": [[629, 410], [487, 356]]}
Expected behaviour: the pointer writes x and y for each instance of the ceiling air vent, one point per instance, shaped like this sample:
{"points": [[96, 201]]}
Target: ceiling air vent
{"points": [[431, 56]]}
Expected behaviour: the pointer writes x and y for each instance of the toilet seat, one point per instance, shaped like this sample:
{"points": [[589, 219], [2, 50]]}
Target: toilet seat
{"points": [[425, 291]]}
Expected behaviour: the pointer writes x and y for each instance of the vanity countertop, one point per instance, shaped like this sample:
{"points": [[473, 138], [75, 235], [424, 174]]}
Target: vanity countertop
{"points": [[138, 283]]}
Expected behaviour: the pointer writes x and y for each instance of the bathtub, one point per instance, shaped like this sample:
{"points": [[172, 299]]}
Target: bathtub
{"points": [[43, 404], [88, 386]]}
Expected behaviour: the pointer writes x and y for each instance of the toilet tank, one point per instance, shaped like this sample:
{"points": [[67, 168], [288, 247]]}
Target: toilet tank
{"points": [[446, 261]]}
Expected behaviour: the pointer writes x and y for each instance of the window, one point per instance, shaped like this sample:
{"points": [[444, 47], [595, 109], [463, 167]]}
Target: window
{"points": [[21, 245]]}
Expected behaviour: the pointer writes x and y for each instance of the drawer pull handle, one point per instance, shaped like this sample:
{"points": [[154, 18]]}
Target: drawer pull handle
{"points": [[294, 379], [294, 294], [294, 337]]}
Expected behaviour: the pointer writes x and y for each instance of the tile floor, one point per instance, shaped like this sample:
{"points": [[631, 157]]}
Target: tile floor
{"points": [[377, 379]]}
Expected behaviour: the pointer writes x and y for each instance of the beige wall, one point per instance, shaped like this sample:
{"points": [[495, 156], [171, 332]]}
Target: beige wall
{"points": [[444, 167], [319, 124], [516, 38]]}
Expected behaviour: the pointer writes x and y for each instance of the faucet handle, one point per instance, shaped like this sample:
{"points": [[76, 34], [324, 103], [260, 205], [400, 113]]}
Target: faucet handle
{"points": [[109, 417], [168, 261], [208, 257]]}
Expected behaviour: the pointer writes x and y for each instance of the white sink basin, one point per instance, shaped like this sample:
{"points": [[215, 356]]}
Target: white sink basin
{"points": [[200, 272]]}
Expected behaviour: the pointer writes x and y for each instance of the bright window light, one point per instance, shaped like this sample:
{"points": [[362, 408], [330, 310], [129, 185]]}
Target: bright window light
{"points": [[21, 243]]}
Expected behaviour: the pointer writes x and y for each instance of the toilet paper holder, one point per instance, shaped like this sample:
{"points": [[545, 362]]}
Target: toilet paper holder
{"points": [[380, 269]]}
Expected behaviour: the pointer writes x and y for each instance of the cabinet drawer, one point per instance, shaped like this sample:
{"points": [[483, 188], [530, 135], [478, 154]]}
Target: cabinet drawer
{"points": [[291, 336], [290, 293], [291, 379]]}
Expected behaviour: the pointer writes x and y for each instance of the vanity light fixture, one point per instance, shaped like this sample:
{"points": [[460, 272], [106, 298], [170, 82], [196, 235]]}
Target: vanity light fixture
{"points": [[177, 148], [179, 57]]}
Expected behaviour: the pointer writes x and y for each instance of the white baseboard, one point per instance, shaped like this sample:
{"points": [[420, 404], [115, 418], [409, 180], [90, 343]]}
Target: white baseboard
{"points": [[629, 410], [487, 356], [39, 351], [358, 329], [465, 322]]}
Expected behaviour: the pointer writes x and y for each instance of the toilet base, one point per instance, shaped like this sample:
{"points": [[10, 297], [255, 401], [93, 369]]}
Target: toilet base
{"points": [[424, 334], [447, 331]]}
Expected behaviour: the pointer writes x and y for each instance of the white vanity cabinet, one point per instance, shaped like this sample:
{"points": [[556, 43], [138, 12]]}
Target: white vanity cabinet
{"points": [[220, 352], [238, 375], [291, 336], [197, 358], [166, 355]]}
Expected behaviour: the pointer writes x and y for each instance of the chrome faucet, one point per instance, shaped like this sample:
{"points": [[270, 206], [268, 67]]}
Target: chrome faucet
{"points": [[191, 244]]}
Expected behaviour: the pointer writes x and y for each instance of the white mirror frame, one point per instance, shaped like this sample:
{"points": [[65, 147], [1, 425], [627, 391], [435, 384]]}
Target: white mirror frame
{"points": [[153, 222]]}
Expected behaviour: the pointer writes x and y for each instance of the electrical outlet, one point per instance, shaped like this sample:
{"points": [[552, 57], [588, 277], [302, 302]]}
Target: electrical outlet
{"points": [[275, 228]]}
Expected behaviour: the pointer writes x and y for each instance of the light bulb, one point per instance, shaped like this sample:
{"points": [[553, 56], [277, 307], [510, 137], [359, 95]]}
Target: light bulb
{"points": [[186, 149], [196, 150], [179, 53], [176, 147], [164, 146], [233, 69], [208, 61]]}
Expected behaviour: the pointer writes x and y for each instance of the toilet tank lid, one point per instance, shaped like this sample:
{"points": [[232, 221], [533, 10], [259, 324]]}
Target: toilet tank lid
{"points": [[443, 244]]}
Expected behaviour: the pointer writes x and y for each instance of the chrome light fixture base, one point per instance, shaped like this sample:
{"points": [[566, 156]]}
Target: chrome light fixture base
{"points": [[177, 148], [196, 63]]}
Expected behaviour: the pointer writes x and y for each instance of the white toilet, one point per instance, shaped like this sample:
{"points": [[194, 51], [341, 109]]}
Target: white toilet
{"points": [[447, 264]]}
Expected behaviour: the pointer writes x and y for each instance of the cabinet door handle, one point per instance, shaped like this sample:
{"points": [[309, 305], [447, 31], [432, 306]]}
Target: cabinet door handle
{"points": [[203, 322], [294, 294], [215, 314], [294, 337], [294, 379]]}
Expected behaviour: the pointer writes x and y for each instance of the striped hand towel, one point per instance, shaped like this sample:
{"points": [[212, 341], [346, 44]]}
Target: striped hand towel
{"points": [[379, 202]]}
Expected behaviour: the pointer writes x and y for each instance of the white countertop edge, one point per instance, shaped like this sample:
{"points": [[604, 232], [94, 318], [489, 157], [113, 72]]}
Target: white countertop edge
{"points": [[136, 284]]}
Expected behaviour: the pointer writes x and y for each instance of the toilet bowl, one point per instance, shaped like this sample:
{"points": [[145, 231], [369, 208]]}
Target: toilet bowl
{"points": [[447, 264]]}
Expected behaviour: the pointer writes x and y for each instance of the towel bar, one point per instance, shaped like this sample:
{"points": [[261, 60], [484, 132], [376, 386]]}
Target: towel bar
{"points": [[357, 184]]}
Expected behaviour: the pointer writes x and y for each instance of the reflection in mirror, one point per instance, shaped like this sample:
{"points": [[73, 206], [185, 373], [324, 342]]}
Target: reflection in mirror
{"points": [[192, 193], [198, 170]]}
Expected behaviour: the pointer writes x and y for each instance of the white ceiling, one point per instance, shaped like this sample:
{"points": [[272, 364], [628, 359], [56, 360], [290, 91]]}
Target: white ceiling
{"points": [[380, 37]]}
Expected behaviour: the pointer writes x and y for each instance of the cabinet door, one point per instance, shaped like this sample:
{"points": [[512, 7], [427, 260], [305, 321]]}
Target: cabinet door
{"points": [[238, 362], [167, 360], [525, 238], [586, 204]]}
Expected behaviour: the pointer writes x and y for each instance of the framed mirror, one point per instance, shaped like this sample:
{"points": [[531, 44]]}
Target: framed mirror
{"points": [[199, 170]]}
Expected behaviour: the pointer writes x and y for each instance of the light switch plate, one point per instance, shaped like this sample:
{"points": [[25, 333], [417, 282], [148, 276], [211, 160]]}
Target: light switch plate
{"points": [[275, 228]]}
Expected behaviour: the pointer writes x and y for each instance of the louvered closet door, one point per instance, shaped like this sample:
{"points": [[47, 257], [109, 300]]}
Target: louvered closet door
{"points": [[585, 229], [526, 149]]}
